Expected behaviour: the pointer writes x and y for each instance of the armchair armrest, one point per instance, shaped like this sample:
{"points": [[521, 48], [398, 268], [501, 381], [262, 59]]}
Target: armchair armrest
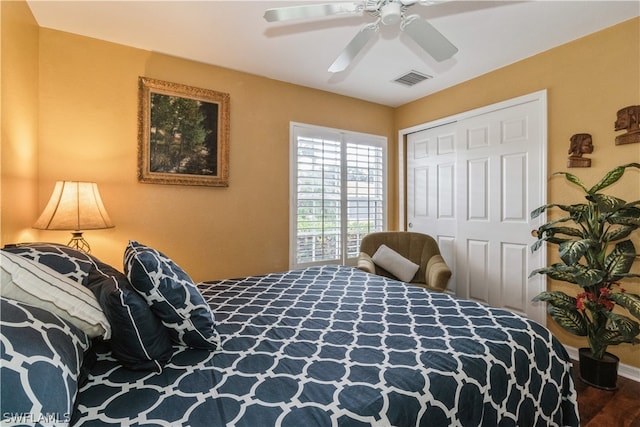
{"points": [[365, 263], [437, 273]]}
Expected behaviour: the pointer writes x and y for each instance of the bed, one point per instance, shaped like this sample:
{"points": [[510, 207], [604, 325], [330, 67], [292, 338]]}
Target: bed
{"points": [[335, 346]]}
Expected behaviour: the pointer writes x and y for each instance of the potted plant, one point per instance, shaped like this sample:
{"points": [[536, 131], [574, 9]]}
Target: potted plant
{"points": [[596, 254]]}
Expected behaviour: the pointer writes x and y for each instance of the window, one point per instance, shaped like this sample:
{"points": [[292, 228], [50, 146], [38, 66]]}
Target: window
{"points": [[338, 193]]}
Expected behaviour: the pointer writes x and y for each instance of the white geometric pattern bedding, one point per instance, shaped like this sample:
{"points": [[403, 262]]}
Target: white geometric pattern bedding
{"points": [[334, 346], [40, 365]]}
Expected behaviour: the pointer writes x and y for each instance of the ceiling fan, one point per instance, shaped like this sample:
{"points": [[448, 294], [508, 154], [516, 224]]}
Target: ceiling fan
{"points": [[387, 12]]}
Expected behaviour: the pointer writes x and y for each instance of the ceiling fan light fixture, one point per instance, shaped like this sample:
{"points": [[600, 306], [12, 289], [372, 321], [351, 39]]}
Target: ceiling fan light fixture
{"points": [[387, 12], [391, 13]]}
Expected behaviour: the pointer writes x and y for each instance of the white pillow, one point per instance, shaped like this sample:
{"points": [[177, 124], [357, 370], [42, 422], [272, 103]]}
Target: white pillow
{"points": [[395, 263], [27, 281]]}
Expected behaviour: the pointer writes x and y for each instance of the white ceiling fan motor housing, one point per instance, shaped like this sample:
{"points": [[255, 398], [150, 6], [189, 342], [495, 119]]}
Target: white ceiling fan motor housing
{"points": [[390, 13]]}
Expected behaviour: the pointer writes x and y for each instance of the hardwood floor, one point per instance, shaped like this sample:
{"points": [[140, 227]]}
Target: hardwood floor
{"points": [[600, 408]]}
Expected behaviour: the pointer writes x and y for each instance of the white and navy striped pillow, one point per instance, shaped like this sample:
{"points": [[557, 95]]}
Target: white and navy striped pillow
{"points": [[36, 284]]}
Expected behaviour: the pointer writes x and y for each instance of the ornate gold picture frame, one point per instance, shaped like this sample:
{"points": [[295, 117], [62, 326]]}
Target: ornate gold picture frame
{"points": [[183, 134]]}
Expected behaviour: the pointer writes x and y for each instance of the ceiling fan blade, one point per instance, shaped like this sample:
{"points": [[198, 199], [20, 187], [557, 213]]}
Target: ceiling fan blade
{"points": [[354, 47], [431, 2], [310, 11], [428, 38]]}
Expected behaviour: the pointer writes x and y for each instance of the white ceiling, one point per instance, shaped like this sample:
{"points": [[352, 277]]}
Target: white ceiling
{"points": [[233, 34]]}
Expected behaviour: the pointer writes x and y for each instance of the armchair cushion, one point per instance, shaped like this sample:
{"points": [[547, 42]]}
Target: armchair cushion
{"points": [[365, 263], [395, 263]]}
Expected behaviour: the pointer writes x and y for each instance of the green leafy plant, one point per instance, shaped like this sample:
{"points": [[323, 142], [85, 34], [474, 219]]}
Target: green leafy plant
{"points": [[596, 253]]}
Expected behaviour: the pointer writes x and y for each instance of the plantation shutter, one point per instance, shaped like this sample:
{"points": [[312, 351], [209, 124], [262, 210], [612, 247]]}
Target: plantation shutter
{"points": [[365, 193], [338, 193]]}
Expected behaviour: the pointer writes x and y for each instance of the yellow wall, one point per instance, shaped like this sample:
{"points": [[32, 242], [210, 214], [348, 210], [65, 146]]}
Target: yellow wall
{"points": [[69, 111], [587, 82], [88, 131], [19, 122]]}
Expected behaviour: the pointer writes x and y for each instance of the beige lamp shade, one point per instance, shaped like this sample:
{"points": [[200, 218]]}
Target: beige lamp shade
{"points": [[74, 206]]}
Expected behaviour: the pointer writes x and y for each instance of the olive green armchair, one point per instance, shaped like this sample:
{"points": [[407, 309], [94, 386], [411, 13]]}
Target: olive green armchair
{"points": [[420, 249]]}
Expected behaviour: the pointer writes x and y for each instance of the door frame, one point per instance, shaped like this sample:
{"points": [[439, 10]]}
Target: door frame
{"points": [[540, 97]]}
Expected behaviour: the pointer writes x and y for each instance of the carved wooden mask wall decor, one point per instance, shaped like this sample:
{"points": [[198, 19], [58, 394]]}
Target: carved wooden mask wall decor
{"points": [[580, 143], [628, 119]]}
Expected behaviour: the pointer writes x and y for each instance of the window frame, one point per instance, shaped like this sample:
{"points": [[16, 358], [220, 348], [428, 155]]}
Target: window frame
{"points": [[346, 137]]}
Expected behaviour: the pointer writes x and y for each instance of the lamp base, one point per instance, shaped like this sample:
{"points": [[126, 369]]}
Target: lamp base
{"points": [[78, 242]]}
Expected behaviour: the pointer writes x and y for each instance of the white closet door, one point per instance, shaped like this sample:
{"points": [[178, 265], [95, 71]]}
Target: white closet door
{"points": [[472, 184], [431, 189]]}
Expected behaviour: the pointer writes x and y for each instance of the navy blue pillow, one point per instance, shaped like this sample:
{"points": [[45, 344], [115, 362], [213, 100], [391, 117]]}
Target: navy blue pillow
{"points": [[138, 339], [41, 357], [172, 295]]}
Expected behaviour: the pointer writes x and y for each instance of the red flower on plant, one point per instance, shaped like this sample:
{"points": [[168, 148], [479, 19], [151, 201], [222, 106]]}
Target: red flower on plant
{"points": [[606, 302], [603, 299], [580, 300]]}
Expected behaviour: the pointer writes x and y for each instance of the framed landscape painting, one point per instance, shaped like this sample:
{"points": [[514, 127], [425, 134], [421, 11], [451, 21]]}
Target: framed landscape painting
{"points": [[183, 134]]}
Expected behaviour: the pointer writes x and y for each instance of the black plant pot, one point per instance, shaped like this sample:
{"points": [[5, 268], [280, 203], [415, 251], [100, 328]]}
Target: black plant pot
{"points": [[601, 373]]}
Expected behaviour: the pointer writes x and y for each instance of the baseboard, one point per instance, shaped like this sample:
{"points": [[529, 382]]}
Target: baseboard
{"points": [[626, 371]]}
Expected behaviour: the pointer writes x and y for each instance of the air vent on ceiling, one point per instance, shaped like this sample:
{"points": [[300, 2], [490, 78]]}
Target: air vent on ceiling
{"points": [[412, 78]]}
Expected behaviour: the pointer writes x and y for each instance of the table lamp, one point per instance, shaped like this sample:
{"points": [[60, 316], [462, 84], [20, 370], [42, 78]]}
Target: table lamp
{"points": [[75, 206]]}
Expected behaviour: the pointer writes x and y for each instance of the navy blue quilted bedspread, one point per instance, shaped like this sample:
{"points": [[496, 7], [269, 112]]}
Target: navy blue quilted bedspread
{"points": [[333, 346]]}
